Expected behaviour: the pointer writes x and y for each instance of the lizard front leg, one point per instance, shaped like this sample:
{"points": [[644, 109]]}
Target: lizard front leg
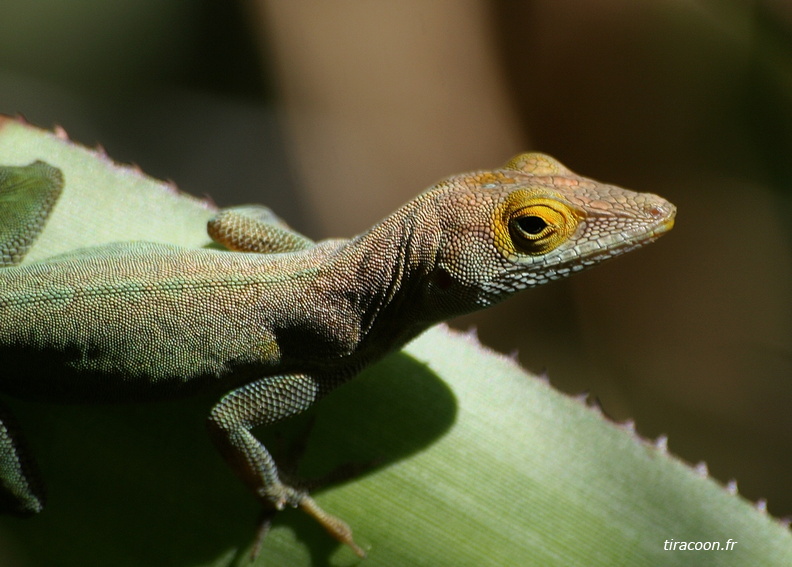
{"points": [[255, 228], [21, 493], [261, 402]]}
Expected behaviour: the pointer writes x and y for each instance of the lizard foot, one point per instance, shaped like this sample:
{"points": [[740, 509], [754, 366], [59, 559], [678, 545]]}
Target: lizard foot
{"points": [[280, 496], [334, 526]]}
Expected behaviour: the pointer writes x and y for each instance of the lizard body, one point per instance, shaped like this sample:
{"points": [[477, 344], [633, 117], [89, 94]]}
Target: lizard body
{"points": [[279, 319]]}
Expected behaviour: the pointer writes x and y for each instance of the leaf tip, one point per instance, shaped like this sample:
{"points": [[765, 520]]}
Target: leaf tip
{"points": [[171, 186], [582, 397], [60, 133], [471, 334], [595, 405]]}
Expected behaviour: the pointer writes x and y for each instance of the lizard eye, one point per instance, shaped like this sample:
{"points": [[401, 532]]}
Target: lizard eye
{"points": [[537, 229]]}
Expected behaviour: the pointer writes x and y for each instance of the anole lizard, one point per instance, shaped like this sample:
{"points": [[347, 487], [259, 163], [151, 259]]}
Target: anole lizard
{"points": [[280, 319]]}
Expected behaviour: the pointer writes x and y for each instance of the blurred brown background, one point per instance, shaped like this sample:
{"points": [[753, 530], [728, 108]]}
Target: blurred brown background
{"points": [[334, 113]]}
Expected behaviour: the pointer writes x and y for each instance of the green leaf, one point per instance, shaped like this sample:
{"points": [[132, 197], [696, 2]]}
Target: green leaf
{"points": [[102, 201], [466, 459]]}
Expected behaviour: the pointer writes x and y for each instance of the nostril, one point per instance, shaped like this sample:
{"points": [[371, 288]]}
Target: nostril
{"points": [[657, 211]]}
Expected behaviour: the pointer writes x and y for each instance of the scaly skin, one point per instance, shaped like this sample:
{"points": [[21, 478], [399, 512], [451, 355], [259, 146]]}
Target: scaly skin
{"points": [[287, 318]]}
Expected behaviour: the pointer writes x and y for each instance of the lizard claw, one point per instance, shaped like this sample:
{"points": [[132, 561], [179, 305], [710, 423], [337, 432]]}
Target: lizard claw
{"points": [[264, 527]]}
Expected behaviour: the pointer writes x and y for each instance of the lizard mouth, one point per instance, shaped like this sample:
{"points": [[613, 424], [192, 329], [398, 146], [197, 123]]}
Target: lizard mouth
{"points": [[666, 215], [618, 243]]}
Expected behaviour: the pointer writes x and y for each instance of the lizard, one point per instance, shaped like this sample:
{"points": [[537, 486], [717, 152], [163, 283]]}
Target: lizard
{"points": [[276, 318]]}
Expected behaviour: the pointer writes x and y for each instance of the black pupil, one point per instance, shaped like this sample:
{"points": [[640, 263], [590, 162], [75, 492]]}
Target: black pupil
{"points": [[531, 224]]}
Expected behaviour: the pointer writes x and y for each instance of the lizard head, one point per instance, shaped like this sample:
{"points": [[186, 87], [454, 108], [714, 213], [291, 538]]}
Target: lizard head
{"points": [[531, 222]]}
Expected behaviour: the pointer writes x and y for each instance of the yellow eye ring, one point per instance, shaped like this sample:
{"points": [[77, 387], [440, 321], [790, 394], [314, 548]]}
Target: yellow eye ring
{"points": [[533, 224]]}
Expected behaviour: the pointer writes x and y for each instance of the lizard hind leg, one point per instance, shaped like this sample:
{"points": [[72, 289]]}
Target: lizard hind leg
{"points": [[27, 196]]}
